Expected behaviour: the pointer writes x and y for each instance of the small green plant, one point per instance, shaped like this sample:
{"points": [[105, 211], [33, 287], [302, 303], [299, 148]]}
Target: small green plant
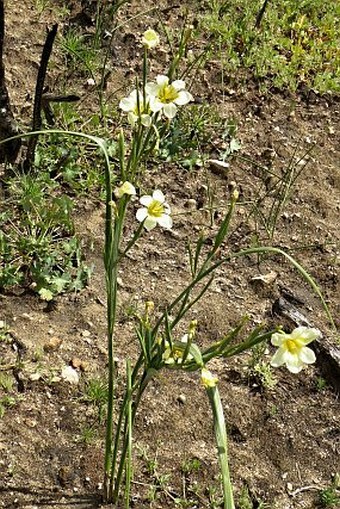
{"points": [[6, 382], [79, 52], [96, 393], [330, 497], [4, 329], [7, 401], [88, 435], [320, 383], [159, 482], [259, 370], [37, 243], [190, 130], [245, 501], [278, 187], [264, 374], [41, 5], [191, 465]]}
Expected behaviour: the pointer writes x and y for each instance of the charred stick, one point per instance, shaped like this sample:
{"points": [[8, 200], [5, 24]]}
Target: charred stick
{"points": [[261, 14], [38, 97]]}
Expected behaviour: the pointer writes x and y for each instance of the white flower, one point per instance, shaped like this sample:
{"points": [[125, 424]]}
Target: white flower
{"points": [[134, 105], [167, 96], [125, 188], [150, 39], [293, 351], [208, 379], [155, 211], [175, 355]]}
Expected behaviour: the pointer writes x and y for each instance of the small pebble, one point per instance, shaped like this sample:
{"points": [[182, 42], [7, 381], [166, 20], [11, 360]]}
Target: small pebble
{"points": [[182, 399]]}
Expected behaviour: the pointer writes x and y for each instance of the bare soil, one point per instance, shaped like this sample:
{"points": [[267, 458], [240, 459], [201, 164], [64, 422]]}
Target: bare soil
{"points": [[284, 442]]}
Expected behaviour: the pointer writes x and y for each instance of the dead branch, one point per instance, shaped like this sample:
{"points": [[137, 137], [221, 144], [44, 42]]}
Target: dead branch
{"points": [[38, 97]]}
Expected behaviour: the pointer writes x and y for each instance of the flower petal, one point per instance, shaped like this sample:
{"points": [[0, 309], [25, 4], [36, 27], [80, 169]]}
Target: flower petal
{"points": [[145, 120], [162, 80], [278, 338], [305, 334], [155, 104], [158, 196], [178, 84], [146, 200], [126, 104], [295, 366], [151, 88], [183, 97], [132, 118], [150, 223], [141, 214], [150, 38], [278, 358], [208, 379], [169, 110], [165, 221], [307, 355]]}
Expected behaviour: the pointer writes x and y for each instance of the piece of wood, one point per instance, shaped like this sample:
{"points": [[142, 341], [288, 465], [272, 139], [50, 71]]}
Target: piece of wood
{"points": [[38, 97]]}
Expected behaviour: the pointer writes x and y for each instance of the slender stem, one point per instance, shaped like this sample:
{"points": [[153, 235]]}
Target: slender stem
{"points": [[222, 445], [111, 266], [134, 407], [128, 466], [119, 432]]}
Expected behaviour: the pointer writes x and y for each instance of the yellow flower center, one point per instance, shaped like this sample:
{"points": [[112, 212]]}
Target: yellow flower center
{"points": [[156, 209], [292, 346], [167, 94]]}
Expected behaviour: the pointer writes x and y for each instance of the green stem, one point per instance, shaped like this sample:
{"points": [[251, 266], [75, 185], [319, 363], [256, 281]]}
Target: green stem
{"points": [[129, 421], [119, 431], [222, 445], [111, 256], [128, 466]]}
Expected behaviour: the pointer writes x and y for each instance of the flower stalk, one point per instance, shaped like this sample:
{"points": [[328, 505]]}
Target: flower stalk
{"points": [[222, 444]]}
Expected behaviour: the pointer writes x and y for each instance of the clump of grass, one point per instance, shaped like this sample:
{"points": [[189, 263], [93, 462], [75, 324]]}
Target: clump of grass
{"points": [[296, 43]]}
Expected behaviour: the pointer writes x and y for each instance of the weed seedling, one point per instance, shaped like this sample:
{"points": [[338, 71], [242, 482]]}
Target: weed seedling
{"points": [[330, 497]]}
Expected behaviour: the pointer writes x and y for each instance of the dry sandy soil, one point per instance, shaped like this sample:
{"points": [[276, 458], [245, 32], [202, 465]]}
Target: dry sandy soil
{"points": [[284, 441]]}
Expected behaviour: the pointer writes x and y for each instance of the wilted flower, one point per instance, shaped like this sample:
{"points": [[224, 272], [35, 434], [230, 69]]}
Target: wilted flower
{"points": [[150, 38], [125, 188], [167, 96], [175, 354], [293, 351], [208, 379], [134, 105], [155, 211]]}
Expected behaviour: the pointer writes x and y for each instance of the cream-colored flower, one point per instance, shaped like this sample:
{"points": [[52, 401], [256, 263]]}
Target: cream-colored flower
{"points": [[175, 354], [155, 211], [125, 188], [165, 96], [208, 379], [150, 38], [293, 351], [134, 106]]}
